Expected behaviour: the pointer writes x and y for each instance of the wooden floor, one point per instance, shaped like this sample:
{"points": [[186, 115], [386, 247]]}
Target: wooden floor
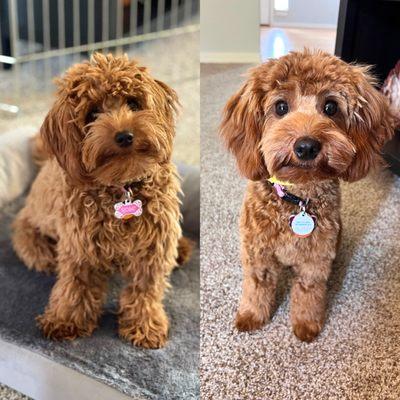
{"points": [[276, 42]]}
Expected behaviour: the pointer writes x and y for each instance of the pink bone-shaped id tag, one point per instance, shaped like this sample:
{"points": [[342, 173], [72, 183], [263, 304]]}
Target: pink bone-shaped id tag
{"points": [[128, 209]]}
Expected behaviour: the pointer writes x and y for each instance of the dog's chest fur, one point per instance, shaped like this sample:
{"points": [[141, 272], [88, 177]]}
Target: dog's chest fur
{"points": [[116, 240], [86, 217], [265, 222]]}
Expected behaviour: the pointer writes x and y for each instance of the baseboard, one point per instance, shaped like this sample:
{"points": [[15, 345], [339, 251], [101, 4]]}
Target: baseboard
{"points": [[211, 57], [43, 379], [301, 25]]}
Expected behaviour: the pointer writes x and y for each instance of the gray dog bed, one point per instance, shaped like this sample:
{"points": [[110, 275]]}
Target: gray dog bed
{"points": [[102, 366]]}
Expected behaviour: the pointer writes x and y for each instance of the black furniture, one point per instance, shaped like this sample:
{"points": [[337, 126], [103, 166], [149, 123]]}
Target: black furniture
{"points": [[369, 32]]}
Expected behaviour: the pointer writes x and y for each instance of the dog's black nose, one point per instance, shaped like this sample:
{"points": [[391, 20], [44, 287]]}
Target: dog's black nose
{"points": [[307, 148], [124, 138]]}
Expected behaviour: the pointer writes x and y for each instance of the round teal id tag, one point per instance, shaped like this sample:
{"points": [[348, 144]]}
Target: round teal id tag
{"points": [[302, 224]]}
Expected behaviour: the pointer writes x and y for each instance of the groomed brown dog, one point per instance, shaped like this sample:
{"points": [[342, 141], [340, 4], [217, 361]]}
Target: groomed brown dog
{"points": [[106, 201], [298, 125]]}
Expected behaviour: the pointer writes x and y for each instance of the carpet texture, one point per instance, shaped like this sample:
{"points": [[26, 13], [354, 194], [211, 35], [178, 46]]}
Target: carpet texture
{"points": [[357, 355], [169, 373], [7, 393]]}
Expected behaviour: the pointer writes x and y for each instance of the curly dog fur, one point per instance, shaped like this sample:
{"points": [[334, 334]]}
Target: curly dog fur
{"points": [[263, 142], [68, 224]]}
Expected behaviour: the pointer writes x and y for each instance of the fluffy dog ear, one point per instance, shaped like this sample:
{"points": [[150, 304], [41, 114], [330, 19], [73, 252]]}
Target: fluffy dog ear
{"points": [[241, 129], [62, 138], [172, 102], [372, 125]]}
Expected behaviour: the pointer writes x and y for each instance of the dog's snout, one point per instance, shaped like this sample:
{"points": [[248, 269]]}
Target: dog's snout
{"points": [[307, 148], [124, 138]]}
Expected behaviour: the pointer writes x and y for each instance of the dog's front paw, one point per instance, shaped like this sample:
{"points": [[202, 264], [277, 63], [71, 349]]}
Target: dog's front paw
{"points": [[306, 331], [152, 334], [61, 330], [248, 321]]}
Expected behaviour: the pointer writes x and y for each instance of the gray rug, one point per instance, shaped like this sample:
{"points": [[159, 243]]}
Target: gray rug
{"points": [[169, 373], [357, 355]]}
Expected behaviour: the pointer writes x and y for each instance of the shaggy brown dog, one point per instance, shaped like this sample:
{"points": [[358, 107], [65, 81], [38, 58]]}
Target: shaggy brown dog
{"points": [[308, 119], [110, 135]]}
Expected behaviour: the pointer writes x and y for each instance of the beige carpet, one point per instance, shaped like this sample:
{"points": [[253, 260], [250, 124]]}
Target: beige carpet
{"points": [[357, 356], [9, 394]]}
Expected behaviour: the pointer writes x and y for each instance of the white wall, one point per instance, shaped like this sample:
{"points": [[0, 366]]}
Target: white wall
{"points": [[265, 17], [309, 13], [230, 31]]}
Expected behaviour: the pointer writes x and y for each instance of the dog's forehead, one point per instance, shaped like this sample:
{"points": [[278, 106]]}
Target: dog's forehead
{"points": [[310, 74], [111, 102], [97, 82], [116, 83], [307, 103]]}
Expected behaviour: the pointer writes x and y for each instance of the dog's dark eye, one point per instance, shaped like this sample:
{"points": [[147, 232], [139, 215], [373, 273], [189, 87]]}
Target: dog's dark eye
{"points": [[92, 115], [133, 104], [330, 108], [281, 108]]}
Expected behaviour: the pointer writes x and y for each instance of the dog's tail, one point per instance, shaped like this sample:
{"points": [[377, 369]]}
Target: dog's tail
{"points": [[39, 153], [185, 250]]}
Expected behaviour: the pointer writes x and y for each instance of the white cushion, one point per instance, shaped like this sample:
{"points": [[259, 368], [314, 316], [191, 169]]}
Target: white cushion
{"points": [[16, 165]]}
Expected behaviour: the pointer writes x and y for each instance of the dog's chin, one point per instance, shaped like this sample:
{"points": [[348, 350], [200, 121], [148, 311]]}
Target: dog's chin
{"points": [[119, 181], [307, 172], [119, 174]]}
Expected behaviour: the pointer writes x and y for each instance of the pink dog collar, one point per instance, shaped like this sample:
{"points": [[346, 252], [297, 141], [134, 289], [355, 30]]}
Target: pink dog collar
{"points": [[279, 189]]}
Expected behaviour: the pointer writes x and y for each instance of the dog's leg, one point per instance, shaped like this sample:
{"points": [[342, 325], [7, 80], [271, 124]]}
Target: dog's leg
{"points": [[143, 320], [36, 250], [308, 300], [260, 277], [75, 302], [185, 250]]}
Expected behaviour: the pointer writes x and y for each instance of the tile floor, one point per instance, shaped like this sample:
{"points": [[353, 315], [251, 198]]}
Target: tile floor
{"points": [[275, 42]]}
